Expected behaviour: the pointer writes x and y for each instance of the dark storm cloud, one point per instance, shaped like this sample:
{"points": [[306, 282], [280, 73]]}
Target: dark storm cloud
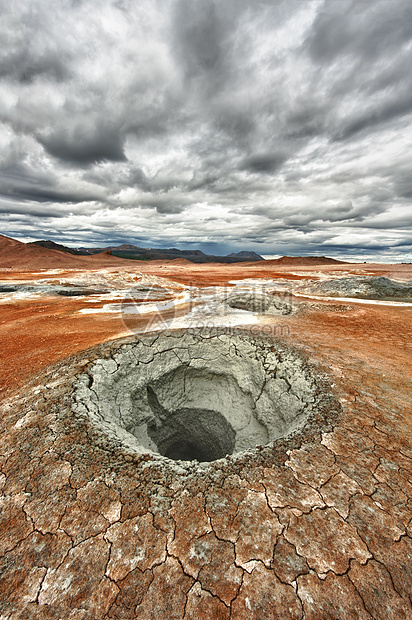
{"points": [[20, 183], [37, 194], [44, 193], [264, 162], [368, 46], [137, 178], [198, 120], [163, 203], [29, 211], [81, 144]]}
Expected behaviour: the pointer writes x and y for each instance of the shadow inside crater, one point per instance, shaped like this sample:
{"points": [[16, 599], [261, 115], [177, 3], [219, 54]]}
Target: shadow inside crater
{"points": [[189, 434]]}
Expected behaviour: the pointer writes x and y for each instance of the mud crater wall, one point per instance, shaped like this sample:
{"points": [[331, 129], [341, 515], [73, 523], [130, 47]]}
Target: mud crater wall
{"points": [[190, 396]]}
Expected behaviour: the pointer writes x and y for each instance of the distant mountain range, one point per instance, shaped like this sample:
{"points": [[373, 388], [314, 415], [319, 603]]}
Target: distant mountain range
{"points": [[134, 252], [47, 254]]}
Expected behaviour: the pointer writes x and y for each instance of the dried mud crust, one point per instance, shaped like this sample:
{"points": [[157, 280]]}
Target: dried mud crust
{"points": [[361, 287], [313, 526]]}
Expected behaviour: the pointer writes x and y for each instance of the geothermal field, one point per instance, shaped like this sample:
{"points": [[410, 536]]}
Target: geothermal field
{"points": [[220, 441]]}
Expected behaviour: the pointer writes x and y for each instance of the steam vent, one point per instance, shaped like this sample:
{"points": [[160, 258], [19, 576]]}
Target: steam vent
{"points": [[202, 475]]}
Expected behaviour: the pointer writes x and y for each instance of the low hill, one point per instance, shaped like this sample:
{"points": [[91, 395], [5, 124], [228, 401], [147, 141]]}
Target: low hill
{"points": [[305, 260], [28, 256], [244, 255]]}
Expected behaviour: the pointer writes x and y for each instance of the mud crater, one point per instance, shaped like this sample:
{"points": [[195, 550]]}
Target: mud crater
{"points": [[191, 396]]}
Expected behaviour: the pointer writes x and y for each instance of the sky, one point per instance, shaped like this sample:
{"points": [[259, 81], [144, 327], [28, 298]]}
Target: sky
{"points": [[275, 126]]}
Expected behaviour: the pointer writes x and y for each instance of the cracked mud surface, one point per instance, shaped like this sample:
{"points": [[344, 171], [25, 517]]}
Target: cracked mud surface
{"points": [[316, 526]]}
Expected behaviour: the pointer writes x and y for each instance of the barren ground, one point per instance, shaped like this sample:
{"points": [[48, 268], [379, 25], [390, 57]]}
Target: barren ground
{"points": [[320, 528]]}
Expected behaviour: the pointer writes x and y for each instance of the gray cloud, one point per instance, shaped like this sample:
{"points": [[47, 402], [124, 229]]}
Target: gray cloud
{"points": [[25, 67], [85, 144], [199, 38], [358, 29], [264, 162], [403, 183], [20, 183], [398, 106], [277, 126], [29, 211]]}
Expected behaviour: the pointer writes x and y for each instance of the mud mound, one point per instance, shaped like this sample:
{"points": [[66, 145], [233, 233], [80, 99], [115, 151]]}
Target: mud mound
{"points": [[259, 302], [362, 287]]}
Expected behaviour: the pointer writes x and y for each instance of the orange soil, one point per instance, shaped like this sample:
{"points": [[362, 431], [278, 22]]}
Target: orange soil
{"points": [[35, 334]]}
